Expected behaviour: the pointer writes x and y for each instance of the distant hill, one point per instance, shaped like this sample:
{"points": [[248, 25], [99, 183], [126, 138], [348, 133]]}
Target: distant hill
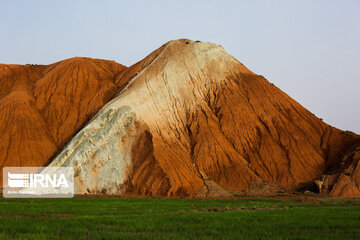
{"points": [[42, 107]]}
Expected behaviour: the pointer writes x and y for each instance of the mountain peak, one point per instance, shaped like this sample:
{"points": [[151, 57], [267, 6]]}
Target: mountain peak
{"points": [[187, 120], [42, 106], [189, 116]]}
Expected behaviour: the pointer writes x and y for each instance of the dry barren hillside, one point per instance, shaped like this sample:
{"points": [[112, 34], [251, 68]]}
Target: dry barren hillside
{"points": [[42, 107], [191, 120]]}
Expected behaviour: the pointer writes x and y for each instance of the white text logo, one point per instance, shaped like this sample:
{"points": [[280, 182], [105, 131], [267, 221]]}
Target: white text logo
{"points": [[38, 182], [34, 180]]}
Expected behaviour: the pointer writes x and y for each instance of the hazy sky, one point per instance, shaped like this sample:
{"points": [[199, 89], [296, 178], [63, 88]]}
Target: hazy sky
{"points": [[309, 49]]}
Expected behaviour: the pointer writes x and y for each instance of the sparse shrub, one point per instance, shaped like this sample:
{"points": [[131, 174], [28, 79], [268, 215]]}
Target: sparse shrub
{"points": [[349, 174]]}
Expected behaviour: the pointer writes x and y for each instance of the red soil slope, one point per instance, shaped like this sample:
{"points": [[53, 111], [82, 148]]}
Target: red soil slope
{"points": [[345, 182], [209, 126], [245, 134], [42, 107]]}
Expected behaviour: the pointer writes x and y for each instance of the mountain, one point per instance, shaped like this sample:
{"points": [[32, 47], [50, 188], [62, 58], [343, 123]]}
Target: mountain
{"points": [[43, 106], [191, 120]]}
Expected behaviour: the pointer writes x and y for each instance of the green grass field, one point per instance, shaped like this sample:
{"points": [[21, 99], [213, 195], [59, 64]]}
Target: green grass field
{"points": [[152, 218]]}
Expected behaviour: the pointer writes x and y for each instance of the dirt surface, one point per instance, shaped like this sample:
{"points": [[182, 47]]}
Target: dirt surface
{"points": [[209, 126], [347, 180], [243, 133], [42, 107]]}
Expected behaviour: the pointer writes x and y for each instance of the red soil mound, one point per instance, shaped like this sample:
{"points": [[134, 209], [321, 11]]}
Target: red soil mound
{"points": [[244, 134], [346, 182], [210, 126], [42, 107]]}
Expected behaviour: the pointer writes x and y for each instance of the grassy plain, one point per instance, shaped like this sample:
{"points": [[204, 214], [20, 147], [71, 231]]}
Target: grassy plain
{"points": [[157, 218]]}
